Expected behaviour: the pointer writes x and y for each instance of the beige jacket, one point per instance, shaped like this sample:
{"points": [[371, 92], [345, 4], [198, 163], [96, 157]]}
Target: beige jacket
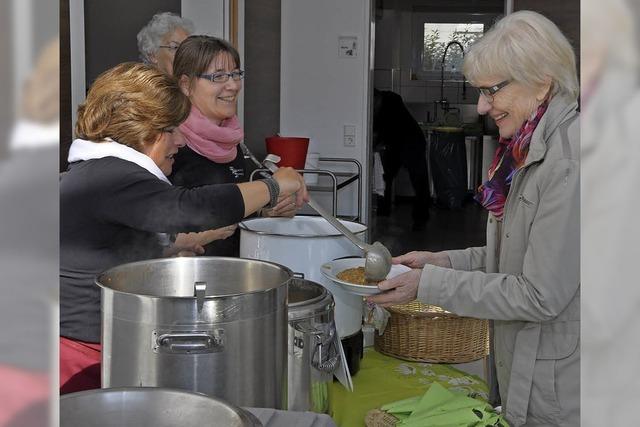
{"points": [[527, 279]]}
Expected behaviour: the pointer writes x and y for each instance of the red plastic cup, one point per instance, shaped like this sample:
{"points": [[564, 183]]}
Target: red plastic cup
{"points": [[292, 150]]}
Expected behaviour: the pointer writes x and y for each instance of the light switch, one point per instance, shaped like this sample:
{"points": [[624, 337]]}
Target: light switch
{"points": [[349, 130], [347, 46], [349, 135]]}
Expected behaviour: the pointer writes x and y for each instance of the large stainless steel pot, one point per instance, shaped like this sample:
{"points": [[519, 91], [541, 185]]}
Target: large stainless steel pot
{"points": [[303, 244], [313, 346], [149, 407], [208, 324]]}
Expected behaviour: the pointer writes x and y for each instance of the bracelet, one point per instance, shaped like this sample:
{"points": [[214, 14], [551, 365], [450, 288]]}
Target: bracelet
{"points": [[274, 191], [166, 239]]}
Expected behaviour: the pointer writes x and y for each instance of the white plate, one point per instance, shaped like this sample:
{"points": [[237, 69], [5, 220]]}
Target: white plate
{"points": [[332, 268]]}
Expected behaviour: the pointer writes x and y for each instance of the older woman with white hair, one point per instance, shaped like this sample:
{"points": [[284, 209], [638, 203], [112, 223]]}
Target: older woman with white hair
{"points": [[527, 277], [161, 37]]}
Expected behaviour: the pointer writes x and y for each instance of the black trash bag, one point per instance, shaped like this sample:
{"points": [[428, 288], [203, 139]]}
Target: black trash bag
{"points": [[448, 158]]}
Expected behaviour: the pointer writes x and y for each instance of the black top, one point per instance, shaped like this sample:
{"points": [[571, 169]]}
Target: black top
{"points": [[394, 128], [193, 170], [110, 212]]}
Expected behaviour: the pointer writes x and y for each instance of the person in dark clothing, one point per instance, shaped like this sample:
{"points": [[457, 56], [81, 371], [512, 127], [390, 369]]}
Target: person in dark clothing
{"points": [[401, 143], [116, 203], [192, 170], [209, 73]]}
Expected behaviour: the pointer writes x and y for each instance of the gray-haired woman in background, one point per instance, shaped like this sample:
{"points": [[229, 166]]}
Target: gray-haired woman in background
{"points": [[160, 38], [527, 277]]}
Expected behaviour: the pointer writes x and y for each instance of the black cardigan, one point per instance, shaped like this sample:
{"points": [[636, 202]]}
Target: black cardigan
{"points": [[193, 170], [110, 213]]}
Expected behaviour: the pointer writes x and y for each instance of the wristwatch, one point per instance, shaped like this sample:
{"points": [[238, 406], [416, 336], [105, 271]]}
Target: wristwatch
{"points": [[166, 239], [274, 191]]}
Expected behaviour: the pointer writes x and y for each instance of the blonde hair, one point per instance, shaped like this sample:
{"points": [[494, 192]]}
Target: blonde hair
{"points": [[132, 103], [527, 48]]}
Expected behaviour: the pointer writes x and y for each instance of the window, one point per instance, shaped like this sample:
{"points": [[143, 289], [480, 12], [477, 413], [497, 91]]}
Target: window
{"points": [[436, 36], [431, 34]]}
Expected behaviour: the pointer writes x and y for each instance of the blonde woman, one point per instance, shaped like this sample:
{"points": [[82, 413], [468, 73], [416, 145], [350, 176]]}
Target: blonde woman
{"points": [[116, 201], [527, 277]]}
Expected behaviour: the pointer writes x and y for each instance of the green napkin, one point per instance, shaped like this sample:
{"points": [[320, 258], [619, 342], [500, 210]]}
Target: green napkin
{"points": [[401, 406], [439, 407]]}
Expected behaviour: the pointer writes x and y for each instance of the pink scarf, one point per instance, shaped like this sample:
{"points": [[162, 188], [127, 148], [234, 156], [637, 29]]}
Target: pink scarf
{"points": [[216, 143]]}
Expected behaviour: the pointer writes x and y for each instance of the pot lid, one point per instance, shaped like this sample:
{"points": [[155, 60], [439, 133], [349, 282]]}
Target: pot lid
{"points": [[298, 226]]}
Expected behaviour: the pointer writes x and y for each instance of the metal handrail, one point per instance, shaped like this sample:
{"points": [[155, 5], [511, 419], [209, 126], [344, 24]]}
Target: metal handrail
{"points": [[335, 186]]}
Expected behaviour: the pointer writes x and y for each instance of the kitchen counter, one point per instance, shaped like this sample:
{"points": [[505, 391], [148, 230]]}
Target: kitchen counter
{"points": [[469, 128]]}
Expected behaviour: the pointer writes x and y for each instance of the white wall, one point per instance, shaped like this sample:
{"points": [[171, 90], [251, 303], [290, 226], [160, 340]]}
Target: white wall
{"points": [[209, 16], [321, 91]]}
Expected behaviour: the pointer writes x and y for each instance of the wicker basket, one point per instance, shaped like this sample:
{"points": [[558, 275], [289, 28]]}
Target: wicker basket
{"points": [[426, 333], [379, 418]]}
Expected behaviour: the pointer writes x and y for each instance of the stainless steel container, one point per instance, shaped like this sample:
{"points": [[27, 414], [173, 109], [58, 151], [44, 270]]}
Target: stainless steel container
{"points": [[149, 407], [209, 324], [313, 351]]}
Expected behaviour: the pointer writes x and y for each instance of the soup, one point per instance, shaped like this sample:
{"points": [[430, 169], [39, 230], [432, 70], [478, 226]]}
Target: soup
{"points": [[354, 276]]}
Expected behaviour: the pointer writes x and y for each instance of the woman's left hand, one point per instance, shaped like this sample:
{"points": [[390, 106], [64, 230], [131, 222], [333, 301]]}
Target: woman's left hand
{"points": [[286, 207], [398, 290]]}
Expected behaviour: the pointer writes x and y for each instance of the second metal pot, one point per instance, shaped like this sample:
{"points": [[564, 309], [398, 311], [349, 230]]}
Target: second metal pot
{"points": [[312, 347]]}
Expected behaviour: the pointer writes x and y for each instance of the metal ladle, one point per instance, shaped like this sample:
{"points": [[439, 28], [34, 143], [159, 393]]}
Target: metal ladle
{"points": [[378, 258]]}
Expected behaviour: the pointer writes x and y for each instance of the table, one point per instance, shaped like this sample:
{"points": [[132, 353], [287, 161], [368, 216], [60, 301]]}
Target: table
{"points": [[384, 379]]}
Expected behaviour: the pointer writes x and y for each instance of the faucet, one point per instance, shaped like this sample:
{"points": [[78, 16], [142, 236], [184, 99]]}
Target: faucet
{"points": [[443, 102]]}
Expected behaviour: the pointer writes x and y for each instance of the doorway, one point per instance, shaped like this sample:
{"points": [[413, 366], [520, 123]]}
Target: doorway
{"points": [[411, 37]]}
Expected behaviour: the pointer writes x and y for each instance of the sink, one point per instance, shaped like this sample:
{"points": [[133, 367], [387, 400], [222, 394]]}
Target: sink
{"points": [[468, 128]]}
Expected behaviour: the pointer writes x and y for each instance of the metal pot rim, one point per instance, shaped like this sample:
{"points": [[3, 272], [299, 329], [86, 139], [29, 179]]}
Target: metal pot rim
{"points": [[245, 227], [193, 297], [243, 414], [312, 307], [206, 298]]}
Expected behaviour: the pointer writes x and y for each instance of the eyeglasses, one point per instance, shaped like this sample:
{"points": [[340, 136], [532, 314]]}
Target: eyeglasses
{"points": [[223, 77], [489, 92], [172, 47]]}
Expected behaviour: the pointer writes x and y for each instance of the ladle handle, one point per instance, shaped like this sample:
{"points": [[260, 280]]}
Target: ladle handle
{"points": [[337, 224], [326, 215]]}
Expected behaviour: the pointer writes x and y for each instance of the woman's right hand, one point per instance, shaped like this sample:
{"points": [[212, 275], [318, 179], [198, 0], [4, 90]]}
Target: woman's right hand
{"points": [[291, 182], [418, 259]]}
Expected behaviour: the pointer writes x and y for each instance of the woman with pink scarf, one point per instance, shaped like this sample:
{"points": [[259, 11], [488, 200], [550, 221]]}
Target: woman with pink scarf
{"points": [[209, 73]]}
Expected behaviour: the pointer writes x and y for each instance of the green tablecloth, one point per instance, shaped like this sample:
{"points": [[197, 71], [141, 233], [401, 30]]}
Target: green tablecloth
{"points": [[383, 379]]}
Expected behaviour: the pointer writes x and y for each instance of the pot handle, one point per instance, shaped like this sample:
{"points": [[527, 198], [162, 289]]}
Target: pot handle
{"points": [[199, 291], [189, 342], [325, 356]]}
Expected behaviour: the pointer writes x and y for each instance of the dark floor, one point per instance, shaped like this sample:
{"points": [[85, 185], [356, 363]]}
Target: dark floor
{"points": [[446, 229]]}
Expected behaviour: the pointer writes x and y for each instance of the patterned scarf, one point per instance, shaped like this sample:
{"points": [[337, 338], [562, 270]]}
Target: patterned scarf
{"points": [[510, 156], [216, 143]]}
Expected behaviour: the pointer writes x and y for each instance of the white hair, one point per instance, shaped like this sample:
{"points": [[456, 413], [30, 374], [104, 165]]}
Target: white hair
{"points": [[162, 23], [527, 48]]}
